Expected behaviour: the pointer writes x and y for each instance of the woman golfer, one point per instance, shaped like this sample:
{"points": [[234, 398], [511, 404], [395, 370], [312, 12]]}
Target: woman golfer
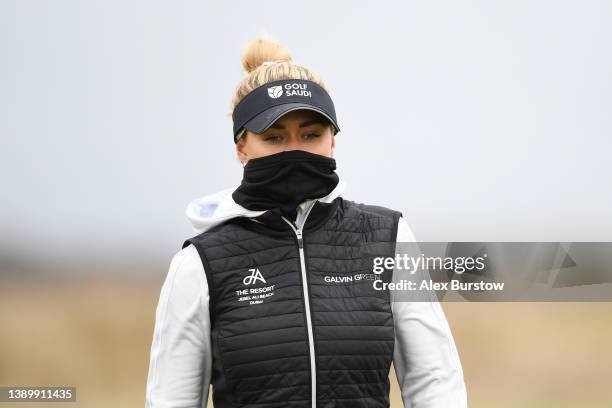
{"points": [[273, 302]]}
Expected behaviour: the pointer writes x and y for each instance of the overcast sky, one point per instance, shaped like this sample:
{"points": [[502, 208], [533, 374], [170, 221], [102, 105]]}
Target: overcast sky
{"points": [[479, 120]]}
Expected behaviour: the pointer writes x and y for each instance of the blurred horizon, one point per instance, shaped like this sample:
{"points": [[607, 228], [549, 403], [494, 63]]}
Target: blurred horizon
{"points": [[96, 335]]}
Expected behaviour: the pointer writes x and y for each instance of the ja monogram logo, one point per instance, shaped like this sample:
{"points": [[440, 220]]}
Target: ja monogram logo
{"points": [[253, 277]]}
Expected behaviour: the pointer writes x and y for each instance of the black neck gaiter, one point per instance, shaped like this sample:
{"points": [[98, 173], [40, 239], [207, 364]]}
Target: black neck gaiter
{"points": [[284, 180]]}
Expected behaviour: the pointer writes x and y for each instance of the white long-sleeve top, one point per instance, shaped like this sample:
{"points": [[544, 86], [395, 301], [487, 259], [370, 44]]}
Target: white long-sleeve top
{"points": [[425, 358]]}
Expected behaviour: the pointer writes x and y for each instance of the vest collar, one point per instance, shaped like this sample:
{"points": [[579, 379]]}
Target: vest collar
{"points": [[272, 223], [208, 211]]}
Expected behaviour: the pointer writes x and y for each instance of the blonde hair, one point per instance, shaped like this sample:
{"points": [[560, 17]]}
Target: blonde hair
{"points": [[257, 73]]}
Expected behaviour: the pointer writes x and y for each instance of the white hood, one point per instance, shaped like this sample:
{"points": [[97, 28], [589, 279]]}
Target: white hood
{"points": [[206, 212]]}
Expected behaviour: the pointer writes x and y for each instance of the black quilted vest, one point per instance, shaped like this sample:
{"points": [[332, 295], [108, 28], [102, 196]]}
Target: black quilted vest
{"points": [[264, 313]]}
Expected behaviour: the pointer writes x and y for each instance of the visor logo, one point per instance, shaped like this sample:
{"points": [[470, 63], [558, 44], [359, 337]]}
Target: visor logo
{"points": [[275, 91], [294, 89]]}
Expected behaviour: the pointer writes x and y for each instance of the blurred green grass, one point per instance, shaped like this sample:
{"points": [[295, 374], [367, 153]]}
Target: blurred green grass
{"points": [[96, 334]]}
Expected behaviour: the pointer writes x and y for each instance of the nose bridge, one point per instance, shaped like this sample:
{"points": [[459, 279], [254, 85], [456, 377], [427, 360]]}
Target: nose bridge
{"points": [[294, 139]]}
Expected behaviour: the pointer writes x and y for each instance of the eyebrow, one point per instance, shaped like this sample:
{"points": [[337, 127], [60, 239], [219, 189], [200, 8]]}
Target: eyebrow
{"points": [[303, 124]]}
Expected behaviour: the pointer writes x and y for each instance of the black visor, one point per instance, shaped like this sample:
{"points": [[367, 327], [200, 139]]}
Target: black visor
{"points": [[266, 104]]}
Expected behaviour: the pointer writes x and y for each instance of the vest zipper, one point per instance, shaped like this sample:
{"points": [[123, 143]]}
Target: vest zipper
{"points": [[298, 232]]}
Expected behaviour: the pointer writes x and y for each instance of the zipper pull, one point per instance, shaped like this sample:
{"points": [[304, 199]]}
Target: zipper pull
{"points": [[299, 238]]}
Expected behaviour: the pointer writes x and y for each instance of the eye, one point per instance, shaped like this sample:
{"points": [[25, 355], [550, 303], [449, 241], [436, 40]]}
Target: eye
{"points": [[273, 138], [312, 135]]}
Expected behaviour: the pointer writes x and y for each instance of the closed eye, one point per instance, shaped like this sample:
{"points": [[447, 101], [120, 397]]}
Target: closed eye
{"points": [[272, 138]]}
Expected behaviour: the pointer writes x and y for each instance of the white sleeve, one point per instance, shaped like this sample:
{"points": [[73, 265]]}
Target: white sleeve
{"points": [[425, 357], [181, 359]]}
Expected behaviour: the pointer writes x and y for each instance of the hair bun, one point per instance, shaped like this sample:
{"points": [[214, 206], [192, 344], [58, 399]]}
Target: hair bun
{"points": [[260, 50]]}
